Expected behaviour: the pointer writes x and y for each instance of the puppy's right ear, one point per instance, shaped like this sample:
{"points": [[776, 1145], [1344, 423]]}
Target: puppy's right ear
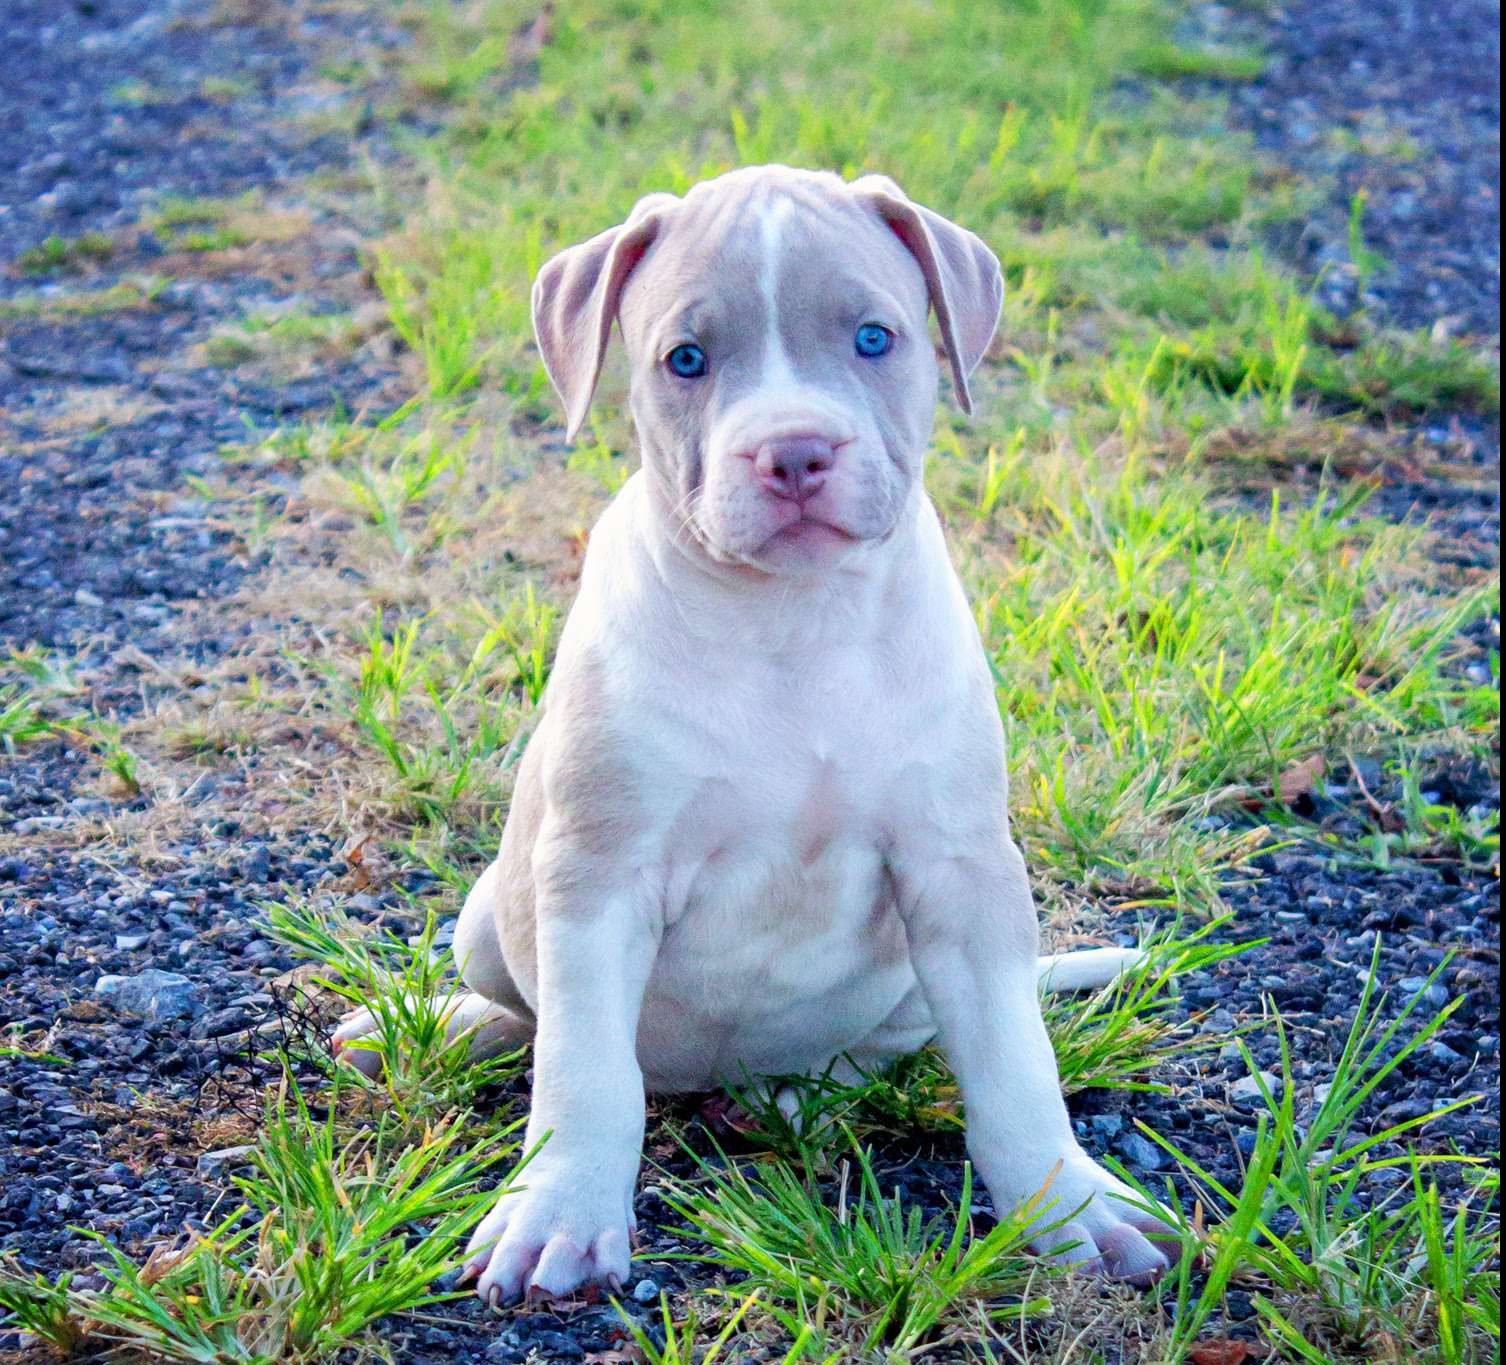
{"points": [[575, 300]]}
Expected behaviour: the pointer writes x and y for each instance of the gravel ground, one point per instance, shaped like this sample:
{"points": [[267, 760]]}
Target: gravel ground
{"points": [[1400, 99], [102, 552], [105, 555], [112, 103]]}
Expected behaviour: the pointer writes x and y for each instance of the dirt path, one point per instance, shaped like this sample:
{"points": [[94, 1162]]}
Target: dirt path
{"points": [[1399, 101], [109, 409]]}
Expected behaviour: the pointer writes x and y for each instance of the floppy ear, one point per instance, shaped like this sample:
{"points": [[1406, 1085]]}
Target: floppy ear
{"points": [[575, 301], [961, 273]]}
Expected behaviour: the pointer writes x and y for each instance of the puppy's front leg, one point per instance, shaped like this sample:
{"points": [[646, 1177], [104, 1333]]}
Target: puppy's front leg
{"points": [[571, 1223], [973, 938]]}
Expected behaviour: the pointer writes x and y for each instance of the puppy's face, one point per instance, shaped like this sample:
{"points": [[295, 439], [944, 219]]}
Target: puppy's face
{"points": [[783, 375], [783, 378]]}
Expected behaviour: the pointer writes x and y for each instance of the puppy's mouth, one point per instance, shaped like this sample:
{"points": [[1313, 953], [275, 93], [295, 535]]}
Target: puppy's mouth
{"points": [[807, 538], [814, 530], [806, 532]]}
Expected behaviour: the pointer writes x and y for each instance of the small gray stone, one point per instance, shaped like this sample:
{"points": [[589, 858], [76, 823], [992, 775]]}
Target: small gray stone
{"points": [[1415, 985], [217, 1163], [1140, 1152], [1105, 1126], [32, 823], [646, 1291], [152, 994], [1247, 1088], [129, 943]]}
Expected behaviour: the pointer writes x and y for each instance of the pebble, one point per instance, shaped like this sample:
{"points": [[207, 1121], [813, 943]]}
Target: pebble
{"points": [[152, 994], [1141, 1153], [1435, 994], [211, 1165], [1247, 1089]]}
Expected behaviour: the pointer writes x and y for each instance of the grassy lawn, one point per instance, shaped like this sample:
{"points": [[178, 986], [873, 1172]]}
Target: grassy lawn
{"points": [[1161, 511]]}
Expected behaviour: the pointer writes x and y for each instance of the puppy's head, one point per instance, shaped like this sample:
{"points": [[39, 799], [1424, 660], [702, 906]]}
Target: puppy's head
{"points": [[783, 377]]}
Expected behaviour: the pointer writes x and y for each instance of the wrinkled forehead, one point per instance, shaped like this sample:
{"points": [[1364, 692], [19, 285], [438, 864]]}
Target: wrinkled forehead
{"points": [[801, 243]]}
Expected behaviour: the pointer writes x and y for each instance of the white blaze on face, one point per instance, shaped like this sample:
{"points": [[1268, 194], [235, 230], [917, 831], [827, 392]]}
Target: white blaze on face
{"points": [[777, 375], [782, 403]]}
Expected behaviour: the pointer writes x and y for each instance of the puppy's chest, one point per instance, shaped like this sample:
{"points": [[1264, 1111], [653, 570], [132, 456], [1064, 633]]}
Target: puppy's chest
{"points": [[776, 784], [776, 891], [784, 820]]}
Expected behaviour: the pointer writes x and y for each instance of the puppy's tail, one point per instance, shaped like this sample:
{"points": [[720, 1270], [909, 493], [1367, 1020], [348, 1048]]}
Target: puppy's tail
{"points": [[1088, 969]]}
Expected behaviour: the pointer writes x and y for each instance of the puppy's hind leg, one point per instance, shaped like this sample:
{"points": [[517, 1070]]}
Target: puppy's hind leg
{"points": [[490, 1014], [490, 1029]]}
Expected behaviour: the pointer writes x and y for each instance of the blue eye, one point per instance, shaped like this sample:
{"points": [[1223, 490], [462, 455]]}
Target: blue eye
{"points": [[872, 340], [689, 362]]}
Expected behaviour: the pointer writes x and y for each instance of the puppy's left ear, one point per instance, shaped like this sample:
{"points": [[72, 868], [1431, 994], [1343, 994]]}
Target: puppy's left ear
{"points": [[962, 275], [575, 302]]}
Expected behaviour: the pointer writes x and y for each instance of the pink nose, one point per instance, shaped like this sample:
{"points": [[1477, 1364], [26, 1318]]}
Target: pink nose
{"points": [[795, 467]]}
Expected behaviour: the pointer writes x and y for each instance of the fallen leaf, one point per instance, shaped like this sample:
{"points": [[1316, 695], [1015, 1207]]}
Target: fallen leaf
{"points": [[1225, 1351], [726, 1117], [1299, 780]]}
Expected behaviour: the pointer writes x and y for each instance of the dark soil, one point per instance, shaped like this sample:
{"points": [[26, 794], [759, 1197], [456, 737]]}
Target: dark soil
{"points": [[104, 553]]}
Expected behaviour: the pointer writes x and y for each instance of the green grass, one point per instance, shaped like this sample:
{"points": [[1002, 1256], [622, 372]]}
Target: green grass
{"points": [[872, 1270], [684, 1344], [425, 1075], [198, 224], [281, 338], [1163, 660], [335, 1230], [21, 718], [119, 297], [42, 703], [1356, 1255], [60, 253]]}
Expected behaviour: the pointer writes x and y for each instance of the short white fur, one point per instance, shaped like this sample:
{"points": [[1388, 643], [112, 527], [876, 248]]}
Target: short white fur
{"points": [[810, 859]]}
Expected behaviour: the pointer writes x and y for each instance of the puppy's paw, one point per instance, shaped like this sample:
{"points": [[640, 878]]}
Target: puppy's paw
{"points": [[360, 1024], [1109, 1232], [551, 1238]]}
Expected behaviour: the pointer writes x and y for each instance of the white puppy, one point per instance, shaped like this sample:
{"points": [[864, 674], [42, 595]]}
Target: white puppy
{"points": [[763, 823]]}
